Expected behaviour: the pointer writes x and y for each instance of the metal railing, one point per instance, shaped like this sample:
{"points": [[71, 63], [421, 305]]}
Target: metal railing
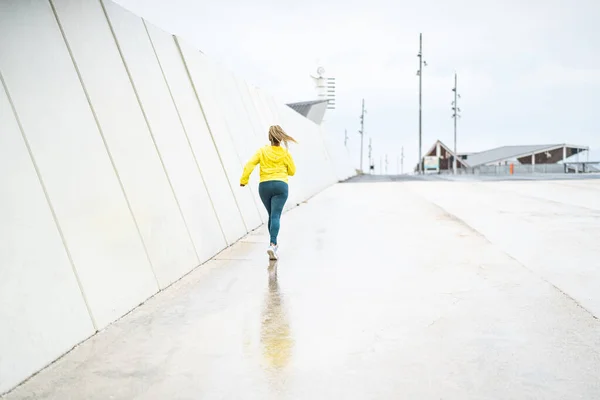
{"points": [[519, 169]]}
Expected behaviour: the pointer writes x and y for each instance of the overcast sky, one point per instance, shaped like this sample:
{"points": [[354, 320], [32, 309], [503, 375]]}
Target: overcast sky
{"points": [[528, 71]]}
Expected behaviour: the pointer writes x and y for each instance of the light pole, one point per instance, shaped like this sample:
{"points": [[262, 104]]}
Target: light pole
{"points": [[455, 116], [362, 133], [386, 164], [370, 154], [402, 161], [420, 74]]}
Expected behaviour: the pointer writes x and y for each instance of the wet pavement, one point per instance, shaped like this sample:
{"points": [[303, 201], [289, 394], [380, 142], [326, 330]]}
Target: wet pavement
{"points": [[385, 290]]}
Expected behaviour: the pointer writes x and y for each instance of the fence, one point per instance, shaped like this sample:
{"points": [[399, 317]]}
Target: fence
{"points": [[518, 169], [505, 169]]}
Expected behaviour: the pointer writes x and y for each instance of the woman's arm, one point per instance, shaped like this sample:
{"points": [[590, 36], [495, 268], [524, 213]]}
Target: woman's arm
{"points": [[291, 166], [250, 165]]}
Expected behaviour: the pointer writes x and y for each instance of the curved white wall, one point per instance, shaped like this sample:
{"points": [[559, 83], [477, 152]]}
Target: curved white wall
{"points": [[121, 149]]}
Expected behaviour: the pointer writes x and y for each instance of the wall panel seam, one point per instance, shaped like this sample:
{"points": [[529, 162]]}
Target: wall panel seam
{"points": [[185, 132], [101, 132], [139, 100], [49, 202], [249, 119], [209, 129], [242, 163]]}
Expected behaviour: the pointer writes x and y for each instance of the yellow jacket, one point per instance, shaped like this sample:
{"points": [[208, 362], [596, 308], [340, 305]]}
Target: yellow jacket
{"points": [[276, 164]]}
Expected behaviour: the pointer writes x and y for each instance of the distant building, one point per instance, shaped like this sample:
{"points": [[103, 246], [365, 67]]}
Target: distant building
{"points": [[440, 157], [590, 162], [313, 110]]}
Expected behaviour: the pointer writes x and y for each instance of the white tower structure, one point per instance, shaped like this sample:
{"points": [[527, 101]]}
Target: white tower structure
{"points": [[325, 87]]}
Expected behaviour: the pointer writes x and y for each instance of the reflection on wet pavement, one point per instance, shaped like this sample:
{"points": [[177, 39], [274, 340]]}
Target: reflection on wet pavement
{"points": [[275, 336]]}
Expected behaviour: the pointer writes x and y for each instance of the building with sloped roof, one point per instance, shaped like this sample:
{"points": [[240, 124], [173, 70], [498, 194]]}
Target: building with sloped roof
{"points": [[589, 163], [526, 154], [442, 156], [313, 110]]}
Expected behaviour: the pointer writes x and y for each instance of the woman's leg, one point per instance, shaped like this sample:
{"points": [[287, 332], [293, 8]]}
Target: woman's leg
{"points": [[280, 195], [265, 192]]}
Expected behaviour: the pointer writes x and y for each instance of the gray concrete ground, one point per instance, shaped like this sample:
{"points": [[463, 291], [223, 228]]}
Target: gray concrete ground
{"points": [[398, 289]]}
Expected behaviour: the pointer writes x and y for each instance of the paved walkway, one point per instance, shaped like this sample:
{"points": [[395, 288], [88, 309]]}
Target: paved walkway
{"points": [[387, 290]]}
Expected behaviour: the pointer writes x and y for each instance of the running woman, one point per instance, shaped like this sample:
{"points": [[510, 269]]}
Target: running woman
{"points": [[276, 164]]}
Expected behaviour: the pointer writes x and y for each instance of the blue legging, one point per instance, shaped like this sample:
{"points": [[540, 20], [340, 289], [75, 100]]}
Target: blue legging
{"points": [[273, 194]]}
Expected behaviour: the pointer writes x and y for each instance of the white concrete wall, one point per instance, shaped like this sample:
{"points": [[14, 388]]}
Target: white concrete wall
{"points": [[205, 76], [129, 140], [198, 135], [121, 149], [38, 322]]}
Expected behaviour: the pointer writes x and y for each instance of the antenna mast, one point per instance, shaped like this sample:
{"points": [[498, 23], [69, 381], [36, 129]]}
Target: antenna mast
{"points": [[420, 74], [455, 116], [362, 133], [402, 160], [370, 153]]}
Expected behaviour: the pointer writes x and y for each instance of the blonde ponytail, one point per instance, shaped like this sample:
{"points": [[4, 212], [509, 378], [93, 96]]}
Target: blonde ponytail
{"points": [[278, 135]]}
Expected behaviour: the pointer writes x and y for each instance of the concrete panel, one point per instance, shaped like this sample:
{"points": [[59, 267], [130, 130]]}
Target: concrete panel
{"points": [[274, 106], [169, 136], [204, 150], [241, 129], [238, 118], [43, 320], [260, 130], [128, 138], [238, 125], [91, 209], [204, 74], [265, 118], [264, 108]]}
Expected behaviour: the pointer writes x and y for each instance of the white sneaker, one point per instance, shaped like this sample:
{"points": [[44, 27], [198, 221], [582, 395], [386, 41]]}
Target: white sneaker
{"points": [[272, 252]]}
